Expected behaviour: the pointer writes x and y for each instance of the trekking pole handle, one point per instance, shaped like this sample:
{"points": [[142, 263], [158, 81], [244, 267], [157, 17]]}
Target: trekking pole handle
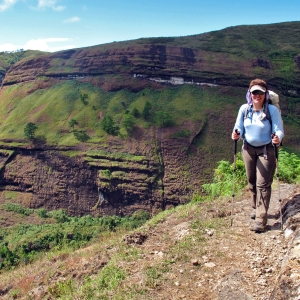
{"points": [[235, 141], [275, 147]]}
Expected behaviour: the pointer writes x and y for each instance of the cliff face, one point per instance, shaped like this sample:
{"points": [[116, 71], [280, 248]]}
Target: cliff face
{"points": [[94, 185], [142, 60]]}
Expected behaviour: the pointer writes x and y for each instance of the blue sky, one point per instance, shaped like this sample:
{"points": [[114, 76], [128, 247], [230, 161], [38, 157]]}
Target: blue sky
{"points": [[53, 25]]}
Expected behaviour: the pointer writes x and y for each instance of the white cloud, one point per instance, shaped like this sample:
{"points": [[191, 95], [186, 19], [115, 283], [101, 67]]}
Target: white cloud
{"points": [[43, 44], [9, 47], [48, 45], [7, 4], [51, 4], [72, 20]]}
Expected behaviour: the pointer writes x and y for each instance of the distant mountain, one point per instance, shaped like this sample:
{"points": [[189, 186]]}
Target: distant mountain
{"points": [[227, 57]]}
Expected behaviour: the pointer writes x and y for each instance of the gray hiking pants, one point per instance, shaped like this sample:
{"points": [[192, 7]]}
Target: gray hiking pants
{"points": [[260, 173]]}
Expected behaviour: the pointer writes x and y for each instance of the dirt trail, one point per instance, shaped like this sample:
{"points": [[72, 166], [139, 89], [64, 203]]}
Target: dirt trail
{"points": [[235, 263]]}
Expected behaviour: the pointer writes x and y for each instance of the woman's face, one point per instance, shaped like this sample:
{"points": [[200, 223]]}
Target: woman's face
{"points": [[258, 98]]}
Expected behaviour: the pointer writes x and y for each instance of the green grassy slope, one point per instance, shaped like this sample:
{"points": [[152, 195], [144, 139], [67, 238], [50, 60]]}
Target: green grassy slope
{"points": [[51, 109]]}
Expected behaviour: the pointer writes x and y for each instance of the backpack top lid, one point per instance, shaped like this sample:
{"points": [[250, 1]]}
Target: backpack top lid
{"points": [[273, 99]]}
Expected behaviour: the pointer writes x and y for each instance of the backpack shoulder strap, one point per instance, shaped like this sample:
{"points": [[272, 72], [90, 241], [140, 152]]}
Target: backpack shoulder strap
{"points": [[267, 112], [247, 109]]}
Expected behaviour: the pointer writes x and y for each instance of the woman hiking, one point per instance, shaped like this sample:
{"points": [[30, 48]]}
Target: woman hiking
{"points": [[260, 135]]}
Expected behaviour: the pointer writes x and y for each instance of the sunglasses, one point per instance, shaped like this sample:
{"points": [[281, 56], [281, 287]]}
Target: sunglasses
{"points": [[257, 93]]}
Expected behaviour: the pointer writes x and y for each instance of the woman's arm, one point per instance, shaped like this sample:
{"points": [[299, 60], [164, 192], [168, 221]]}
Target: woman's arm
{"points": [[277, 125]]}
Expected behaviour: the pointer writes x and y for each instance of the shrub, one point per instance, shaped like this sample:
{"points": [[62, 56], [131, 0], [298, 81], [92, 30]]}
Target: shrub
{"points": [[29, 130], [288, 167], [42, 213], [223, 178], [80, 135], [60, 216], [136, 113], [146, 113], [109, 126], [163, 119], [18, 209], [128, 122], [20, 244]]}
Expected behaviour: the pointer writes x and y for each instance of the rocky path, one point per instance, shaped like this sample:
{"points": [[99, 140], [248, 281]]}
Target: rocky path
{"points": [[235, 263]]}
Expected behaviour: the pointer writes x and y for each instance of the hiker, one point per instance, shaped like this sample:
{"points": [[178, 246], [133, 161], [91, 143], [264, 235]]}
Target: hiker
{"points": [[261, 131]]}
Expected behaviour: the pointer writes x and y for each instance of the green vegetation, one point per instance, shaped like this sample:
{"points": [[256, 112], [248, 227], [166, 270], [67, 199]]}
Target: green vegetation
{"points": [[83, 98], [128, 123], [163, 119], [72, 123], [222, 180], [181, 134], [109, 126], [18, 209], [116, 156], [63, 119], [146, 113], [29, 130], [23, 243], [288, 165], [80, 135]]}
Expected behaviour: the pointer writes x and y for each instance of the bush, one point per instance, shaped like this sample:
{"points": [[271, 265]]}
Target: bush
{"points": [[21, 244], [288, 167], [18, 209], [146, 113], [29, 130], [60, 216], [109, 126], [163, 119], [223, 178], [136, 113], [128, 122], [42, 213], [80, 135]]}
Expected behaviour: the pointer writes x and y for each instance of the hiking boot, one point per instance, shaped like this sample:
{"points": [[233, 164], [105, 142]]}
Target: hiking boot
{"points": [[258, 227], [253, 215]]}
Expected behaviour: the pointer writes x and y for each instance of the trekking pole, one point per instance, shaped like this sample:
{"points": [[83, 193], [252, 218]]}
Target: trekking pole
{"points": [[234, 168], [278, 183]]}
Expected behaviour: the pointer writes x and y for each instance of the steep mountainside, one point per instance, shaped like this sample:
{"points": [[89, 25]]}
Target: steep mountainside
{"points": [[227, 57], [194, 86]]}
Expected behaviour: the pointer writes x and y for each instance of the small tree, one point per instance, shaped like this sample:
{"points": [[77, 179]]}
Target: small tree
{"points": [[83, 98], [128, 122], [146, 113], [72, 123], [29, 130], [109, 126], [136, 113], [80, 135], [163, 119]]}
